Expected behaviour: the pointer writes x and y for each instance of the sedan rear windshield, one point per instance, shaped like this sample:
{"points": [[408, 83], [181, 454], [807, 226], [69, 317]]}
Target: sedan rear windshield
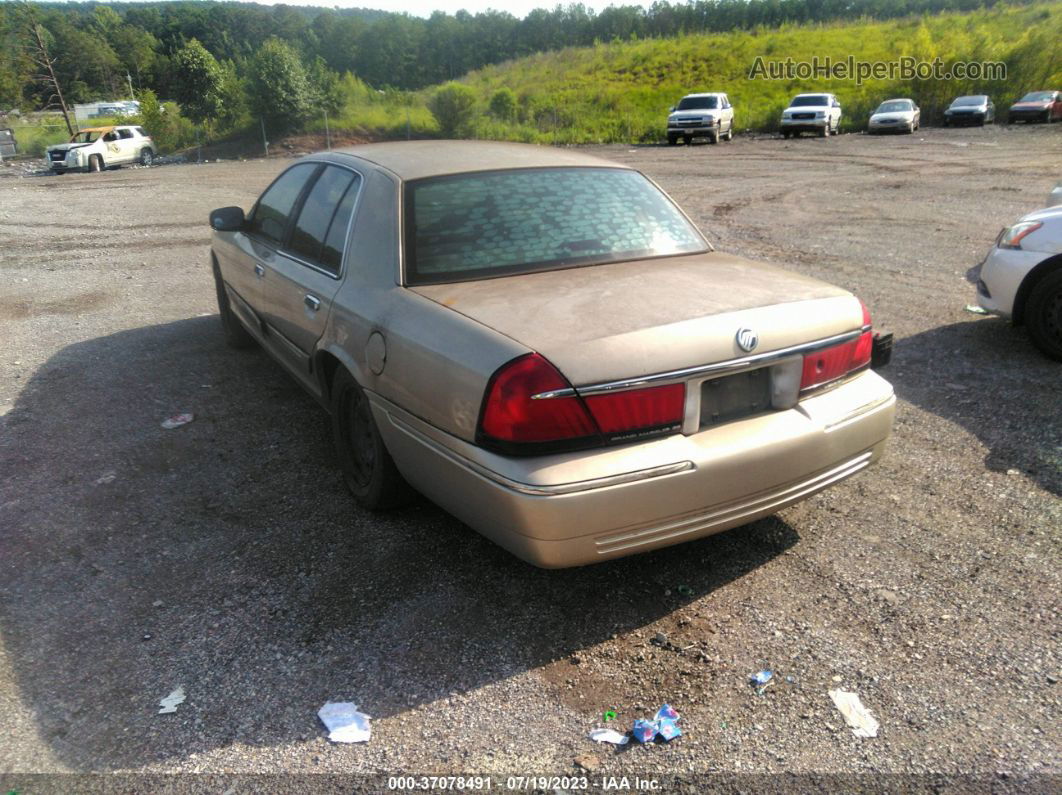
{"points": [[698, 103], [817, 101], [497, 223]]}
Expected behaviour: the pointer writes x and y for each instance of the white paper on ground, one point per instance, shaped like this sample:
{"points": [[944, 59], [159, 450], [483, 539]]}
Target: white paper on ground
{"points": [[344, 723], [855, 714], [169, 704], [609, 736]]}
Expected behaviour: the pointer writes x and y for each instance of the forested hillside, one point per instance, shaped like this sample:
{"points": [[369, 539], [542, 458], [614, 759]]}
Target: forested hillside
{"points": [[206, 70]]}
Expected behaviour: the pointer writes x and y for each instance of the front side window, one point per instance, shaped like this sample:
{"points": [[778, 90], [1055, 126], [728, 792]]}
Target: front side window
{"points": [[319, 212], [270, 217], [496, 223], [85, 137]]}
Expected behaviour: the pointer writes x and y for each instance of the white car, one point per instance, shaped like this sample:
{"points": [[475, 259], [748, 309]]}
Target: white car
{"points": [[1021, 277], [708, 116], [817, 113], [1054, 198], [895, 115], [97, 148]]}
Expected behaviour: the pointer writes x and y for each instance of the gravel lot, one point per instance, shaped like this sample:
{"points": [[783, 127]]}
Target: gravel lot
{"points": [[225, 555]]}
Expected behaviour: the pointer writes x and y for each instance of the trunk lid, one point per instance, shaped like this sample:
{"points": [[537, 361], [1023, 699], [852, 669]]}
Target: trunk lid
{"points": [[630, 319]]}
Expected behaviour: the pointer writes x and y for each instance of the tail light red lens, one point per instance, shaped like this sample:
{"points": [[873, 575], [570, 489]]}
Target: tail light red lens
{"points": [[510, 414], [655, 407], [838, 361], [512, 420]]}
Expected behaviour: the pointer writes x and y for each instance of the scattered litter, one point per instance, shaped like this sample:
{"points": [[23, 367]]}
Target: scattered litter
{"points": [[609, 736], [177, 421], [855, 714], [761, 680], [610, 714], [685, 590], [790, 680], [974, 309], [157, 603], [1013, 472], [664, 725], [169, 704], [344, 723], [106, 477]]}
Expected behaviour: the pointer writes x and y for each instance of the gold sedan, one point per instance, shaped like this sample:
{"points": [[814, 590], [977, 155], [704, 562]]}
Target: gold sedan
{"points": [[542, 343]]}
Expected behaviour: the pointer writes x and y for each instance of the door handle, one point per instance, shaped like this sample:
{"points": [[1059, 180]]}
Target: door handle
{"points": [[312, 302], [259, 271]]}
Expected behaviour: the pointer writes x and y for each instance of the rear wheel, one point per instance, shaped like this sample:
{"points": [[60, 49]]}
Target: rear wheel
{"points": [[236, 336], [95, 163], [147, 157], [368, 469], [1043, 315]]}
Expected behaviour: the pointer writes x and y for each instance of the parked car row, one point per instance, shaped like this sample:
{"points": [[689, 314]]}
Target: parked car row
{"points": [[711, 115]]}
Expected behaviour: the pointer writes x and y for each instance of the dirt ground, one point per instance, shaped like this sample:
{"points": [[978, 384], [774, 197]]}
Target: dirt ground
{"points": [[225, 556]]}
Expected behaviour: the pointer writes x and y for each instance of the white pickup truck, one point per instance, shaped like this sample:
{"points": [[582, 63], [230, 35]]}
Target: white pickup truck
{"points": [[97, 148]]}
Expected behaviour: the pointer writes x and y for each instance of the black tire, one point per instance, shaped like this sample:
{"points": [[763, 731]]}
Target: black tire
{"points": [[785, 134], [1047, 117], [368, 469], [1043, 315], [713, 137], [824, 132], [147, 157], [95, 164], [730, 132], [236, 336], [688, 140], [672, 140]]}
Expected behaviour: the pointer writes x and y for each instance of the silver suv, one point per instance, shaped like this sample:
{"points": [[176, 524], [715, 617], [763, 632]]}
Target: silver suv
{"points": [[708, 116]]}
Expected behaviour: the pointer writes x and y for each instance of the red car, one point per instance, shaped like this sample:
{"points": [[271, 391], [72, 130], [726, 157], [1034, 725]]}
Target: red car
{"points": [[1045, 106]]}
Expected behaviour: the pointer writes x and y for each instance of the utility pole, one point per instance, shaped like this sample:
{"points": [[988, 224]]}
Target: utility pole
{"points": [[129, 80], [328, 135], [265, 143]]}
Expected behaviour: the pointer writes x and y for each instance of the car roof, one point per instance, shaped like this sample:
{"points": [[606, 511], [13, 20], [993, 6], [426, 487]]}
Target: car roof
{"points": [[971, 96], [96, 129], [707, 94], [409, 160], [898, 99], [815, 94]]}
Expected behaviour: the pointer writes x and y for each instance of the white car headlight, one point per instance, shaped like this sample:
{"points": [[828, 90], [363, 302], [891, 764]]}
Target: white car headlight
{"points": [[1012, 237], [709, 118]]}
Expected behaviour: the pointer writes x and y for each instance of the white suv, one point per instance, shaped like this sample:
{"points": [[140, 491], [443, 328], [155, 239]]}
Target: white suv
{"points": [[708, 116], [97, 148], [1021, 277], [817, 113]]}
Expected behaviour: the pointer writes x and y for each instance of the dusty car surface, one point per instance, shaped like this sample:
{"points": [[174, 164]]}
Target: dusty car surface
{"points": [[895, 115], [1045, 106], [97, 148], [543, 344], [1021, 277], [707, 115]]}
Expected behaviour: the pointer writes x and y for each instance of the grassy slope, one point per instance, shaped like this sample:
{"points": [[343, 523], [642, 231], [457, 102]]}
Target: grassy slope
{"points": [[621, 91]]}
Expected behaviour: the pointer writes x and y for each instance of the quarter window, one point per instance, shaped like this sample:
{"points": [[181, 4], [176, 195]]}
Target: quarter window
{"points": [[270, 217], [332, 252], [319, 214]]}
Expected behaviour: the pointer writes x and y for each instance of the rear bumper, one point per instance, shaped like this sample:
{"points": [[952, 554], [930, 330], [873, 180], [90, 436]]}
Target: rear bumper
{"points": [[580, 508]]}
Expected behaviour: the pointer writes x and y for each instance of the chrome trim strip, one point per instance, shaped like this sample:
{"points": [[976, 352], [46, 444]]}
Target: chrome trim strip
{"points": [[718, 368], [541, 491]]}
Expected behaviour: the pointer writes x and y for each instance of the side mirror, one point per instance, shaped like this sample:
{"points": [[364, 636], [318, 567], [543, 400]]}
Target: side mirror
{"points": [[227, 219], [671, 109]]}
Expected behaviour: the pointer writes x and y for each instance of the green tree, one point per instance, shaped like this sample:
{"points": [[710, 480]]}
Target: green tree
{"points": [[278, 89], [503, 104], [197, 79], [454, 107], [325, 92]]}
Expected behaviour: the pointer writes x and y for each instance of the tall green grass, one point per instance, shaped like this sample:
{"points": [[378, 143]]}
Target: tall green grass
{"points": [[622, 91]]}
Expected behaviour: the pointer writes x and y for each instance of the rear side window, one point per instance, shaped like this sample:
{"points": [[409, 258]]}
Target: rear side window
{"points": [[270, 217], [125, 133], [332, 253], [320, 213], [141, 131]]}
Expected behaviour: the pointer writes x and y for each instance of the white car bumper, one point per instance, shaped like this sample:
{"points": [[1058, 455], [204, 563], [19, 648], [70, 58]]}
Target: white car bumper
{"points": [[1001, 274]]}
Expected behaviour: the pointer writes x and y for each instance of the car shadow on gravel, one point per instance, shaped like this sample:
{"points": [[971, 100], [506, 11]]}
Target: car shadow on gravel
{"points": [[987, 377], [224, 556]]}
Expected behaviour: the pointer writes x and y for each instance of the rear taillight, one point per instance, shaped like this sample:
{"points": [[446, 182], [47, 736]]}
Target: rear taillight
{"points": [[658, 407], [835, 362], [513, 420]]}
